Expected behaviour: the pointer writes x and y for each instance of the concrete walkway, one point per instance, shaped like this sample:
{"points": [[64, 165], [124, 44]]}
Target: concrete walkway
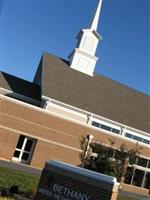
{"points": [[134, 195], [20, 167]]}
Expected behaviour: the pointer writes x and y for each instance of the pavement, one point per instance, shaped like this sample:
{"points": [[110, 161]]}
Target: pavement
{"points": [[136, 196], [20, 167]]}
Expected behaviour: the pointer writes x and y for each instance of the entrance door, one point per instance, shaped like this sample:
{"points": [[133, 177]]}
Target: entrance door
{"points": [[24, 149]]}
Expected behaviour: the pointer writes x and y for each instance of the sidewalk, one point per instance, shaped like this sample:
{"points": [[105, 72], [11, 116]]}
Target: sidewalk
{"points": [[134, 195], [20, 167]]}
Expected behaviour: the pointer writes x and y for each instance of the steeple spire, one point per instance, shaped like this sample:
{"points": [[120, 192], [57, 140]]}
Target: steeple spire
{"points": [[95, 20], [83, 56]]}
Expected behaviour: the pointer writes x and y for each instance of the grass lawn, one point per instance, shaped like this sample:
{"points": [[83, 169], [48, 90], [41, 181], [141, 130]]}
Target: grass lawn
{"points": [[27, 183]]}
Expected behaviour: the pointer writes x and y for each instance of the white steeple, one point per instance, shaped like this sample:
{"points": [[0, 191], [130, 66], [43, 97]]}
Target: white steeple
{"points": [[96, 16], [83, 57]]}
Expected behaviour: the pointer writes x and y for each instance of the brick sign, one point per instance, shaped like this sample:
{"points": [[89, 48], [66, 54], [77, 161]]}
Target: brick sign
{"points": [[61, 181]]}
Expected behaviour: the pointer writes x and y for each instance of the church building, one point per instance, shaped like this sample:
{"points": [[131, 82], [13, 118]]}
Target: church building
{"points": [[45, 119]]}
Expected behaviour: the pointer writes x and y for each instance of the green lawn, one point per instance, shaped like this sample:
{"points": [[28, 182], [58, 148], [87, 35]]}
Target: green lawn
{"points": [[27, 183]]}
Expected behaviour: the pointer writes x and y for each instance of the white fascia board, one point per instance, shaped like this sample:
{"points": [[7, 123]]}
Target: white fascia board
{"points": [[41, 110], [126, 127], [134, 141], [105, 123], [144, 136], [96, 117], [68, 110], [66, 105]]}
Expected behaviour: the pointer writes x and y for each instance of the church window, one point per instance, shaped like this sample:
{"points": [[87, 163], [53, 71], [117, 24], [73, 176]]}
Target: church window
{"points": [[142, 162], [24, 149], [137, 138], [114, 130], [96, 124], [103, 126], [146, 141], [129, 135]]}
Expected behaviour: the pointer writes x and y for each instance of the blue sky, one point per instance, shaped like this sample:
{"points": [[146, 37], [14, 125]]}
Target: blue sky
{"points": [[30, 27]]}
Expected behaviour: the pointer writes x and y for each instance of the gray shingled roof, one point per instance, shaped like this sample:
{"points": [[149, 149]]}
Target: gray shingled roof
{"points": [[98, 94], [20, 86]]}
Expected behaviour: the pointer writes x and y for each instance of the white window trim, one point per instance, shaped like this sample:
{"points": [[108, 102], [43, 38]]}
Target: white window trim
{"points": [[136, 134], [104, 123], [22, 150]]}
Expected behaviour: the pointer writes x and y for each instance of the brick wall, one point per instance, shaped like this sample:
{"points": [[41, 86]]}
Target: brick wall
{"points": [[57, 138], [132, 188]]}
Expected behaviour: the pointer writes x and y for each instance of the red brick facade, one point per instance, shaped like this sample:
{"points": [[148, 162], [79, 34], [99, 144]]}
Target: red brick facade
{"points": [[56, 137]]}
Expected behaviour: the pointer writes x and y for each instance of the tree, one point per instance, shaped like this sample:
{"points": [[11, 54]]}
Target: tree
{"points": [[85, 155], [108, 159]]}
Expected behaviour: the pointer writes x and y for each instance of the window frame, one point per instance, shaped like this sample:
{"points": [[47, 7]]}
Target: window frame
{"points": [[23, 151]]}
